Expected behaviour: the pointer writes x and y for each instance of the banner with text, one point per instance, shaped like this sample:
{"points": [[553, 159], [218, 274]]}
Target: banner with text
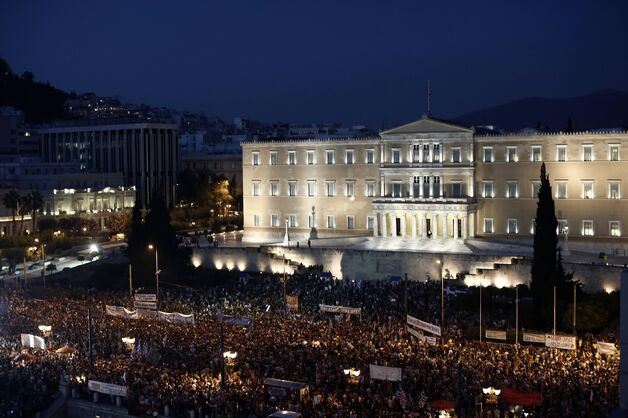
{"points": [[121, 312], [244, 321], [145, 301], [176, 317], [606, 348], [107, 388], [32, 341], [425, 326], [496, 335], [392, 374], [530, 337], [564, 342], [424, 338], [171, 317], [293, 303], [340, 309]]}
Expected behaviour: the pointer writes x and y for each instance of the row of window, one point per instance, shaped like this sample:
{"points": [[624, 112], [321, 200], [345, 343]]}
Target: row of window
{"points": [[512, 154], [330, 188], [330, 221], [587, 189], [310, 157], [586, 228]]}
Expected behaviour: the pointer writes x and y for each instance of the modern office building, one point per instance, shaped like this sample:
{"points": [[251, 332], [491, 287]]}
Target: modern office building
{"points": [[430, 179], [145, 153]]}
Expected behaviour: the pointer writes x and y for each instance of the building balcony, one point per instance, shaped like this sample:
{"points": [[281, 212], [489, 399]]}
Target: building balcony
{"points": [[431, 200]]}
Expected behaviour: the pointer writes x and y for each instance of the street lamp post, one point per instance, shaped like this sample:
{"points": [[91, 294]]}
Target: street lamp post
{"points": [[43, 265], [286, 237], [157, 271], [442, 295]]}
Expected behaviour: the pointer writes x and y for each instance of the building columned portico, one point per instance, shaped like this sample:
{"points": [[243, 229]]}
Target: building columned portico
{"points": [[424, 219]]}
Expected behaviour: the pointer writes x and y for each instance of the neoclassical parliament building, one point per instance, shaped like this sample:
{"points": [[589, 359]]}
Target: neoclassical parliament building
{"points": [[430, 179]]}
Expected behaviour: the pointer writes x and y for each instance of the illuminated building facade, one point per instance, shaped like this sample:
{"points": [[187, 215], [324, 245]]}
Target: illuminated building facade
{"points": [[433, 180]]}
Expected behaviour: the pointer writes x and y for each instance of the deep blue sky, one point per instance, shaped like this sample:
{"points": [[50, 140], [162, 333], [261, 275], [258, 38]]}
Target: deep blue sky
{"points": [[305, 61]]}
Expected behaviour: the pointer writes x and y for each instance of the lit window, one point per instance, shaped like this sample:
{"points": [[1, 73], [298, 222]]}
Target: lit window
{"points": [[255, 158], [274, 188], [370, 156], [370, 223], [488, 225], [349, 156], [273, 158], [613, 152], [310, 221], [292, 221], [613, 191], [511, 226], [311, 160], [613, 229], [256, 188], [350, 189], [487, 154], [330, 189], [536, 186], [587, 152], [350, 222], [561, 152], [396, 156], [487, 189], [426, 153], [256, 220], [370, 189], [562, 227], [292, 157], [330, 157], [292, 188], [331, 221], [455, 155], [511, 190], [532, 226], [436, 158], [587, 190], [511, 154], [536, 153], [396, 190], [456, 189], [274, 220], [311, 188], [561, 190], [587, 228]]}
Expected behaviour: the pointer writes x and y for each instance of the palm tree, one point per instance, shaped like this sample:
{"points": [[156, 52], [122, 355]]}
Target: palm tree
{"points": [[37, 204], [25, 209], [11, 200]]}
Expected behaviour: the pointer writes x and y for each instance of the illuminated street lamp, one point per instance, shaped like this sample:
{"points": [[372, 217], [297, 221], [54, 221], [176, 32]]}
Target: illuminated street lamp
{"points": [[491, 395], [352, 374], [442, 295], [129, 343], [46, 330], [230, 356], [157, 271]]}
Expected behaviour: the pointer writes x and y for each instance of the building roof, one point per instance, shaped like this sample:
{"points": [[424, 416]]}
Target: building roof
{"points": [[426, 125]]}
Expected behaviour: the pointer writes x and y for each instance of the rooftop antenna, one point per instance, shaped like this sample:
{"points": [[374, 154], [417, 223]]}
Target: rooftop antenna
{"points": [[429, 99]]}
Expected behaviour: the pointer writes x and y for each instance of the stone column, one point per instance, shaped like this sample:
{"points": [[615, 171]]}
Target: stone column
{"points": [[472, 225], [464, 227], [456, 227], [375, 224], [413, 224], [384, 232], [403, 225], [393, 224], [423, 225], [445, 222]]}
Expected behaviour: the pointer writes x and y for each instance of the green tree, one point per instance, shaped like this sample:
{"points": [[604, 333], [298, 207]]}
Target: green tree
{"points": [[24, 209], [220, 198], [11, 200], [37, 204], [137, 245]]}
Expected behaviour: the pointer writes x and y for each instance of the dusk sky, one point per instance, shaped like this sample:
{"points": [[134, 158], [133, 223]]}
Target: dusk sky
{"points": [[350, 61]]}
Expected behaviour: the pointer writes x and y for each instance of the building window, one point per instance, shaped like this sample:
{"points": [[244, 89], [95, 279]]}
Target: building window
{"points": [[255, 158], [292, 157], [349, 156], [330, 189], [396, 156], [455, 155], [311, 160], [255, 219], [370, 189], [370, 223], [587, 190], [532, 227], [256, 188], [350, 189], [274, 220], [331, 221], [613, 190], [536, 186], [426, 153], [274, 188], [561, 190], [613, 229], [587, 228], [330, 157], [511, 154], [587, 153], [292, 221], [350, 222], [488, 225], [511, 226], [613, 152], [536, 153], [292, 188], [310, 221], [370, 156], [311, 188], [561, 152], [273, 158], [511, 190], [436, 158], [456, 189], [396, 190], [562, 227], [487, 154], [487, 189]]}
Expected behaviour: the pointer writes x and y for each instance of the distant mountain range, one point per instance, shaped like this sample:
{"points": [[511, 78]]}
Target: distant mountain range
{"points": [[598, 110]]}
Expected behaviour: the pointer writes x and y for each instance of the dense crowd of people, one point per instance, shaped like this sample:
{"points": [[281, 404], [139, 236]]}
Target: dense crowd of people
{"points": [[180, 365]]}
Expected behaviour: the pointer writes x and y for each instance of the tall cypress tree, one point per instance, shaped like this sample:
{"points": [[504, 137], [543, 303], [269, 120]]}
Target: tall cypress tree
{"points": [[136, 250], [544, 269], [161, 234]]}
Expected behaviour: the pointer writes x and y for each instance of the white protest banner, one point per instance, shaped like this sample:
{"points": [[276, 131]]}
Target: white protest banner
{"points": [[530, 337], [496, 335], [244, 321], [606, 348], [145, 305], [392, 374], [147, 313], [107, 388], [564, 342], [146, 297], [32, 341], [176, 317], [424, 338], [340, 309], [120, 312], [425, 326]]}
